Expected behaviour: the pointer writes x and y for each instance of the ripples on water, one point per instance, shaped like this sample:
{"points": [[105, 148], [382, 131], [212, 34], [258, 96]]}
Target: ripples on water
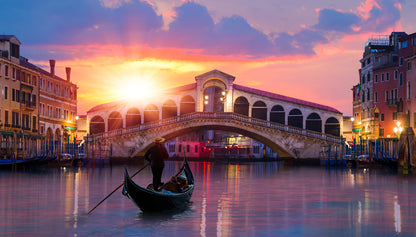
{"points": [[255, 199]]}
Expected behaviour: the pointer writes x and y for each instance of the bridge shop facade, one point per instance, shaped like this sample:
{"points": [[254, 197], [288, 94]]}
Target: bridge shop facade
{"points": [[290, 127]]}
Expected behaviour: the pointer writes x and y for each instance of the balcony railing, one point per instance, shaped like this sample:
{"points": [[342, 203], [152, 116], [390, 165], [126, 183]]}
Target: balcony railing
{"points": [[392, 102], [28, 106], [220, 115]]}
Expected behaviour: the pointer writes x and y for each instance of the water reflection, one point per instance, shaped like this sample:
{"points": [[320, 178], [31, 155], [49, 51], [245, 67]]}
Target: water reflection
{"points": [[229, 200]]}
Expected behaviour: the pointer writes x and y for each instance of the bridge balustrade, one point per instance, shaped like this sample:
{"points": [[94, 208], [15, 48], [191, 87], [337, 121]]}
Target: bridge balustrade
{"points": [[220, 115]]}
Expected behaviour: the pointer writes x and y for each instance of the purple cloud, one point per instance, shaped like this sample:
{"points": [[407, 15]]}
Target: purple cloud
{"points": [[136, 22], [333, 20], [382, 16]]}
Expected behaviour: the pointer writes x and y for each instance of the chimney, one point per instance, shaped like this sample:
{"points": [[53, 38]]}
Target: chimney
{"points": [[68, 74], [52, 64]]}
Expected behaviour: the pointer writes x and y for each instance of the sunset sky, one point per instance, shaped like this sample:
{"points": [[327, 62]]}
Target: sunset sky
{"points": [[304, 49]]}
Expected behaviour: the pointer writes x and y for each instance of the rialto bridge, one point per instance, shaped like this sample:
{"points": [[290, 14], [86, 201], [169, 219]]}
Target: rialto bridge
{"points": [[291, 127]]}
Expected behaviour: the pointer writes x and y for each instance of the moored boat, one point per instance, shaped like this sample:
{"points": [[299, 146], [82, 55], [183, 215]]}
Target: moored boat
{"points": [[150, 200]]}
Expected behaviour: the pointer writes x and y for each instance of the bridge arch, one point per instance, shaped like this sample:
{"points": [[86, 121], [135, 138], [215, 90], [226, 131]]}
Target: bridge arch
{"points": [[295, 118], [169, 109], [187, 105], [332, 126], [314, 122], [241, 106], [282, 149], [115, 121], [277, 114], [259, 110], [97, 125], [151, 113], [133, 117]]}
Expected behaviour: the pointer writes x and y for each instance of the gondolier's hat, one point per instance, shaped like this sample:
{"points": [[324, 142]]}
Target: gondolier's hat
{"points": [[158, 140]]}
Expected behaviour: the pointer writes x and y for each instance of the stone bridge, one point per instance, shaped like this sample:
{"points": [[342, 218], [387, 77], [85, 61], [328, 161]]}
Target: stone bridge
{"points": [[286, 141]]}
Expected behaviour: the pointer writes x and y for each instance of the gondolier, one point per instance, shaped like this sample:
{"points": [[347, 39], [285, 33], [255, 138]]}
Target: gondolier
{"points": [[156, 155]]}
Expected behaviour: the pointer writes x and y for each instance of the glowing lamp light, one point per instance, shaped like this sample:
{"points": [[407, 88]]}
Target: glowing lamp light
{"points": [[398, 129]]}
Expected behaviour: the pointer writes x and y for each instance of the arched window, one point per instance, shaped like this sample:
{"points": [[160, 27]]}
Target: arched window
{"points": [[133, 117], [259, 110], [187, 105], [241, 106], [115, 121], [314, 122], [277, 114], [97, 125], [295, 118], [332, 126], [213, 99], [151, 113], [169, 109]]}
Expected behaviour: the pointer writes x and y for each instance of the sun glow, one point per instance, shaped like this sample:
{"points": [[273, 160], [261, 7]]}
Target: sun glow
{"points": [[133, 89]]}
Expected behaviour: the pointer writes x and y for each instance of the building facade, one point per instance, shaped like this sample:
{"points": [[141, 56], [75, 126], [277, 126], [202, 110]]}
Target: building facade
{"points": [[37, 108], [19, 99], [57, 107], [376, 96]]}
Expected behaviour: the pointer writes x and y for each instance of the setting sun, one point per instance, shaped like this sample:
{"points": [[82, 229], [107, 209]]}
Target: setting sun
{"points": [[136, 89]]}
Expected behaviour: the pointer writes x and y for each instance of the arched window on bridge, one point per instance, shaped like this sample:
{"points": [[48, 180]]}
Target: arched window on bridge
{"points": [[295, 118], [133, 117], [314, 122], [332, 126], [187, 105], [151, 113], [97, 125], [213, 99], [277, 114], [115, 121], [169, 109], [259, 110], [241, 106]]}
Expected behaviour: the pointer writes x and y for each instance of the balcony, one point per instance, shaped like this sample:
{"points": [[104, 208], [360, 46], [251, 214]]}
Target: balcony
{"points": [[28, 106], [392, 102]]}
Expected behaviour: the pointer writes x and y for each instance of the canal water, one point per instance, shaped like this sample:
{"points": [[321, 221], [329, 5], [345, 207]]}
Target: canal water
{"points": [[253, 199]]}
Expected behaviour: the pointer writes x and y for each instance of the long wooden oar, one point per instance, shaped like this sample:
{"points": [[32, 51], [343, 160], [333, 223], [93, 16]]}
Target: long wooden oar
{"points": [[116, 190]]}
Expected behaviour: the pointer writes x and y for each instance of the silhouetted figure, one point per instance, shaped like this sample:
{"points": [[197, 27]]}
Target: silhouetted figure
{"points": [[156, 155]]}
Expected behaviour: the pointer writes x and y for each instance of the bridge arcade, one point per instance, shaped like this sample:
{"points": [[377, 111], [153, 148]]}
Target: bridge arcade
{"points": [[215, 92]]}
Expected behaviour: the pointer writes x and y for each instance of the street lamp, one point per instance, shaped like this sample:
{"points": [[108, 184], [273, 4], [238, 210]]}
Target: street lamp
{"points": [[223, 98], [398, 129], [206, 100]]}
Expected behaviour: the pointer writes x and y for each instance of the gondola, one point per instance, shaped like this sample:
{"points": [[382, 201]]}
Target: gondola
{"points": [[149, 200], [6, 163]]}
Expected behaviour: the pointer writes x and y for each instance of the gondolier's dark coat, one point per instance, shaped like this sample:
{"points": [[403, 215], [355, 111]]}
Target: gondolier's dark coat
{"points": [[156, 155]]}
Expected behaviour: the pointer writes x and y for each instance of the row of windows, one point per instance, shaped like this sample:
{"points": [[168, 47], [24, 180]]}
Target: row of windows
{"points": [[49, 111], [20, 96], [18, 121], [57, 88], [17, 74], [394, 116], [172, 148]]}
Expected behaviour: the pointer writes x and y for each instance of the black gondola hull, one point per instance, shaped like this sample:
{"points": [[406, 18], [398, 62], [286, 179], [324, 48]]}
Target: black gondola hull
{"points": [[149, 200]]}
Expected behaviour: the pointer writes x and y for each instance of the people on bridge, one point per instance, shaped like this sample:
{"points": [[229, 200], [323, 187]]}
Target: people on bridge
{"points": [[156, 155]]}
